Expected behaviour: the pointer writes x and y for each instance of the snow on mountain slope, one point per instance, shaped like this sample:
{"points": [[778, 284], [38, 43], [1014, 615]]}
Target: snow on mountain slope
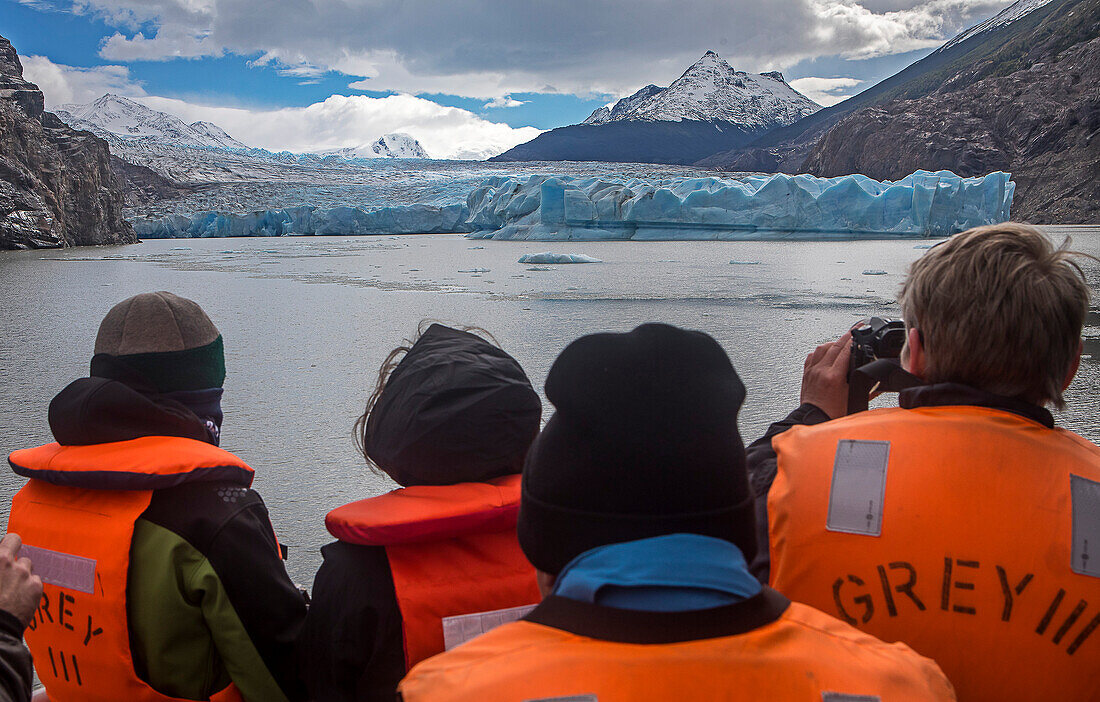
{"points": [[216, 135], [711, 90], [122, 117], [622, 107], [1009, 14]]}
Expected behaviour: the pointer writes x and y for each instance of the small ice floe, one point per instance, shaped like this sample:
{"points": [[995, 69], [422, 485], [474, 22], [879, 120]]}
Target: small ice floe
{"points": [[548, 257], [475, 270], [744, 263], [475, 248], [874, 271], [923, 246], [180, 248], [540, 268]]}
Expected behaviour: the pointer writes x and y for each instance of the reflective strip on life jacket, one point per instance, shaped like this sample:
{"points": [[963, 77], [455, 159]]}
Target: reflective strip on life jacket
{"points": [[80, 635], [146, 463], [803, 655], [952, 529], [452, 551]]}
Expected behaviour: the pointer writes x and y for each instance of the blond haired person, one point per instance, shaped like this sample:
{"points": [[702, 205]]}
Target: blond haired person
{"points": [[963, 523]]}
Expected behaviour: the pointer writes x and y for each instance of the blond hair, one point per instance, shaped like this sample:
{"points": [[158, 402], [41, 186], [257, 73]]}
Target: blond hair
{"points": [[999, 308]]}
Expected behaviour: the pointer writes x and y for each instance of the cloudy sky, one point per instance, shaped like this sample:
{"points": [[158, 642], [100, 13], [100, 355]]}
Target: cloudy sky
{"points": [[467, 78]]}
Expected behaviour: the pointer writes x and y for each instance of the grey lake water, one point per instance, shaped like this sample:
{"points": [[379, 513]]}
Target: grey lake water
{"points": [[308, 320]]}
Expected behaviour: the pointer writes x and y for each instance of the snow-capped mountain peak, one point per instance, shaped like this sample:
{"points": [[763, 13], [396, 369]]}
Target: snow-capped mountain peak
{"points": [[122, 117], [395, 145], [398, 145], [1008, 15], [712, 91]]}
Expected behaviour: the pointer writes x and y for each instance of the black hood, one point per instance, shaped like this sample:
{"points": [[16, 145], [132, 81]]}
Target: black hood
{"points": [[455, 409], [99, 410]]}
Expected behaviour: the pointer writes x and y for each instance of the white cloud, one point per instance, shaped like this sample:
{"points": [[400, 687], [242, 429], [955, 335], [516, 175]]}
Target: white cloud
{"points": [[476, 49], [826, 91], [167, 44], [504, 101], [340, 121], [61, 84]]}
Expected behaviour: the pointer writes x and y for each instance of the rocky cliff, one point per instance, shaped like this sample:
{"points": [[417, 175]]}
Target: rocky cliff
{"points": [[56, 185], [1037, 117]]}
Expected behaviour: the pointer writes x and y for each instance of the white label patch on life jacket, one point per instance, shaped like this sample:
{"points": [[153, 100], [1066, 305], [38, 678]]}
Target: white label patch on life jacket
{"points": [[1085, 556], [842, 697], [463, 627], [61, 569], [859, 487], [570, 698]]}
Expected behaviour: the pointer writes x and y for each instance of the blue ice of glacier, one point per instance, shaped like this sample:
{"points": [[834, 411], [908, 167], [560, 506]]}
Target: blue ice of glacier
{"points": [[555, 208], [408, 219], [755, 207], [548, 257]]}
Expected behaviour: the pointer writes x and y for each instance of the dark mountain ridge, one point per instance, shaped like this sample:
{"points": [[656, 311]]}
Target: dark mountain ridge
{"points": [[710, 108]]}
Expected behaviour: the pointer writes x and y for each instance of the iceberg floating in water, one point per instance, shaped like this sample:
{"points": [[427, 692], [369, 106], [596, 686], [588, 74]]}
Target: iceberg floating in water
{"points": [[548, 208], [547, 257]]}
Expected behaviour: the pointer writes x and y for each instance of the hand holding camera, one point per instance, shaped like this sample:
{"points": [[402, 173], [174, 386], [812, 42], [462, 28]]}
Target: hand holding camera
{"points": [[841, 377]]}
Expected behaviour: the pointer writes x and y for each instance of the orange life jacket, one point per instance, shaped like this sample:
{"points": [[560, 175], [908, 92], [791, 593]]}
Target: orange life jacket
{"points": [[78, 538], [798, 654], [962, 531], [457, 566]]}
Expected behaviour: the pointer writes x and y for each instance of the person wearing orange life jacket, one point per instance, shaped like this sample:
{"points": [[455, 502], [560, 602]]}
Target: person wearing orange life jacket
{"points": [[163, 575], [428, 565], [637, 513], [959, 523]]}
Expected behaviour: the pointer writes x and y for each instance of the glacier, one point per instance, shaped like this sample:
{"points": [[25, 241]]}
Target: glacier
{"points": [[549, 208], [307, 220], [574, 208]]}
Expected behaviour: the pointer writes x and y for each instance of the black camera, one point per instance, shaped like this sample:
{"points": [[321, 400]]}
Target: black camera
{"points": [[877, 340], [875, 365]]}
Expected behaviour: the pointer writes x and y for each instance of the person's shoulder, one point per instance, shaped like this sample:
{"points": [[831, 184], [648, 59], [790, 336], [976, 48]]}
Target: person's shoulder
{"points": [[199, 511], [353, 575], [841, 642], [491, 651]]}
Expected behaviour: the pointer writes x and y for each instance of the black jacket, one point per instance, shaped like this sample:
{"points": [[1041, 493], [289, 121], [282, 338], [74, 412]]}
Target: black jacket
{"points": [[762, 459], [352, 647], [16, 672]]}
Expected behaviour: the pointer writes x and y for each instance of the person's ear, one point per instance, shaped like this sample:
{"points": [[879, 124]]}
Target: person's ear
{"points": [[1074, 365], [913, 359], [545, 582]]}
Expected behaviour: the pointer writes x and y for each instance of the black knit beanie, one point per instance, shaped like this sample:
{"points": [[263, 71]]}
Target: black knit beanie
{"points": [[455, 409], [643, 442]]}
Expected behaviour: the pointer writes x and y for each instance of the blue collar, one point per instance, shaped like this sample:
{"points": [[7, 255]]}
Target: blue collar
{"points": [[672, 573]]}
